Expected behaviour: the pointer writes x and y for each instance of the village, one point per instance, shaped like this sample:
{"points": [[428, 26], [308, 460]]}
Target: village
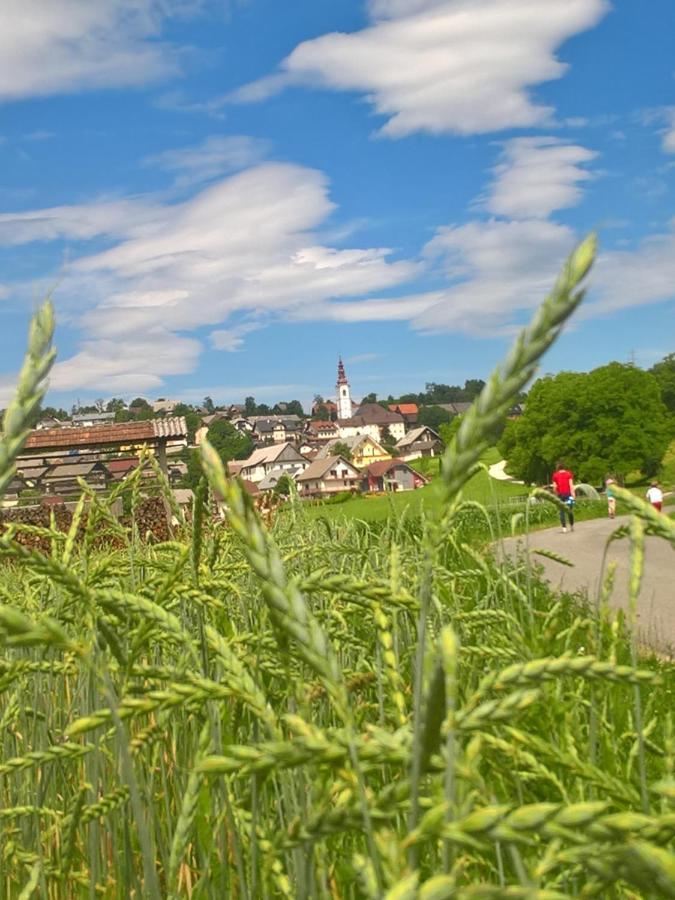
{"points": [[343, 447]]}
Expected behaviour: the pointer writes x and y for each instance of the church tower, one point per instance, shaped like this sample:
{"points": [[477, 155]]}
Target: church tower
{"points": [[344, 395]]}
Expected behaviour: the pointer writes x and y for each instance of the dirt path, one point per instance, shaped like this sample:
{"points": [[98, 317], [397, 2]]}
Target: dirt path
{"points": [[585, 546]]}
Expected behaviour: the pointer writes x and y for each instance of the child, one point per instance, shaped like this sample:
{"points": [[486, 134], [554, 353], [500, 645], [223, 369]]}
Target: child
{"points": [[655, 496], [611, 499]]}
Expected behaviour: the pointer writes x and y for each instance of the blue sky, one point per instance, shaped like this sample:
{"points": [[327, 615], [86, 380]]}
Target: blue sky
{"points": [[224, 196]]}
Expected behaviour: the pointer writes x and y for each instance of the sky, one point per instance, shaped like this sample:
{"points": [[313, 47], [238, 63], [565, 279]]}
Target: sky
{"points": [[223, 196]]}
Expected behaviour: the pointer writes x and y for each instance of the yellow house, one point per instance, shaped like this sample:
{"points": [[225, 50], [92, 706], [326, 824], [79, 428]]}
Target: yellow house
{"points": [[364, 450]]}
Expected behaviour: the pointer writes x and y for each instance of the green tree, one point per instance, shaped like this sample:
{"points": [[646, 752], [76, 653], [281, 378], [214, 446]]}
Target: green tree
{"points": [[664, 372], [115, 404], [249, 406], [339, 448], [229, 441], [208, 405], [448, 430], [284, 486], [609, 420], [433, 416], [192, 419]]}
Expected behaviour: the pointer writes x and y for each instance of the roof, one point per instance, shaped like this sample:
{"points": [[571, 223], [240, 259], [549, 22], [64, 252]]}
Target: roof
{"points": [[354, 441], [322, 465], [183, 495], [415, 434], [73, 470], [267, 455], [377, 469], [372, 414], [272, 478], [92, 417], [116, 433], [32, 473], [115, 466], [406, 409], [249, 487]]}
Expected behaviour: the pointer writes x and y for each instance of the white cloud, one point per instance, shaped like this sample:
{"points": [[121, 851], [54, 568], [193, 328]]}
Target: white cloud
{"points": [[463, 66], [499, 269], [643, 275], [538, 175], [53, 46], [245, 244], [232, 339], [216, 156]]}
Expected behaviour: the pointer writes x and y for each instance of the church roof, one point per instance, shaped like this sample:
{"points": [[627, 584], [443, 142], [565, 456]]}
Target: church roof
{"points": [[341, 377]]}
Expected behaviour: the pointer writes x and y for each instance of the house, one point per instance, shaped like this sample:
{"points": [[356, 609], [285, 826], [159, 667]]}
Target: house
{"points": [[375, 420], [32, 475], [162, 405], [89, 420], [422, 441], [272, 479], [63, 479], [118, 469], [409, 411], [363, 448], [321, 430], [263, 460], [276, 429], [51, 422], [455, 409], [391, 475], [330, 475]]}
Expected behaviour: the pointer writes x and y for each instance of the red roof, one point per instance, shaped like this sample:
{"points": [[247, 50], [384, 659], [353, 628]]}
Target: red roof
{"points": [[122, 465], [120, 433], [406, 409], [381, 467]]}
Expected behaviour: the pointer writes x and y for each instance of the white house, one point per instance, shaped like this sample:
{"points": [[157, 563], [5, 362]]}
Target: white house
{"points": [[264, 460], [422, 441], [331, 475], [373, 419]]}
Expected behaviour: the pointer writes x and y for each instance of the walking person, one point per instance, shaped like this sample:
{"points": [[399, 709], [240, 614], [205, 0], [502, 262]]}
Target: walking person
{"points": [[563, 484], [655, 496], [611, 498]]}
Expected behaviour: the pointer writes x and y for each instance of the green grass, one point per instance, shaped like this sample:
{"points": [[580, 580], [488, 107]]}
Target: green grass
{"points": [[428, 499]]}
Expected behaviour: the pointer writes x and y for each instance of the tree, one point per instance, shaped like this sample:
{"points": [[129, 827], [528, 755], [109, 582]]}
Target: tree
{"points": [[433, 416], [284, 486], [115, 404], [609, 420], [208, 405], [249, 406], [192, 419], [664, 372], [473, 387], [448, 430], [228, 441], [339, 448], [370, 398]]}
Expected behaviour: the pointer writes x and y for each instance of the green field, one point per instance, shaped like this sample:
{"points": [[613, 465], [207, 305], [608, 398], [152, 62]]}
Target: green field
{"points": [[377, 507], [324, 708]]}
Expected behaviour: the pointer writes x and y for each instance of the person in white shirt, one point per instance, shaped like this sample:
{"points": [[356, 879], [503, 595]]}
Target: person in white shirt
{"points": [[655, 496]]}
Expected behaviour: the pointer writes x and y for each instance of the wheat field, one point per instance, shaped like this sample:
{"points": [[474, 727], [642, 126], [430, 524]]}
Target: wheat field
{"points": [[324, 709]]}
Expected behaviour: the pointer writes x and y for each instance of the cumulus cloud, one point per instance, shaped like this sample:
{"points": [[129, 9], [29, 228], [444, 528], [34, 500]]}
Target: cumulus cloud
{"points": [[244, 244], [668, 134], [216, 156], [462, 66], [52, 46], [536, 176]]}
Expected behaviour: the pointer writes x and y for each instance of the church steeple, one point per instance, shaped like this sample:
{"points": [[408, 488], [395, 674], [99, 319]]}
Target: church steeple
{"points": [[344, 397]]}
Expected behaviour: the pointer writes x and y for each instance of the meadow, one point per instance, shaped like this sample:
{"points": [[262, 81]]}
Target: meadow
{"points": [[324, 707]]}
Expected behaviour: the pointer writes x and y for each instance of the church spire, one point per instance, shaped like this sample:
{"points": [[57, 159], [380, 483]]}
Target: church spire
{"points": [[344, 395]]}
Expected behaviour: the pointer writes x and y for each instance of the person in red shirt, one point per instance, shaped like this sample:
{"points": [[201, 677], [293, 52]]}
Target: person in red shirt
{"points": [[563, 483]]}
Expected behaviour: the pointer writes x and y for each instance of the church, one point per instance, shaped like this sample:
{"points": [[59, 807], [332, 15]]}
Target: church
{"points": [[368, 418]]}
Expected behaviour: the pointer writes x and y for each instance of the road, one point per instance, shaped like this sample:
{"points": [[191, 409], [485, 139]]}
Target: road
{"points": [[585, 546]]}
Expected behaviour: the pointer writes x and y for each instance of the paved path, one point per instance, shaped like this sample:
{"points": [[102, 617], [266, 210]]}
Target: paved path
{"points": [[585, 546], [496, 471]]}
